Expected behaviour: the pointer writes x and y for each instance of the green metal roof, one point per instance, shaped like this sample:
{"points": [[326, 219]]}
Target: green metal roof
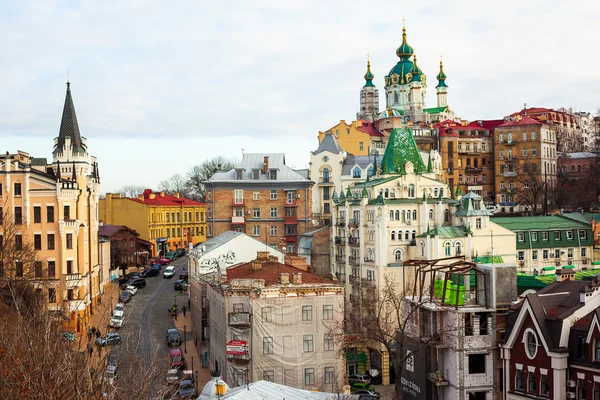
{"points": [[489, 260], [379, 181], [554, 222], [435, 110], [446, 232], [401, 148], [415, 201]]}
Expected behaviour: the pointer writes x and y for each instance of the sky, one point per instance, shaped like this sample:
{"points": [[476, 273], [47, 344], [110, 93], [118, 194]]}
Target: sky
{"points": [[161, 86]]}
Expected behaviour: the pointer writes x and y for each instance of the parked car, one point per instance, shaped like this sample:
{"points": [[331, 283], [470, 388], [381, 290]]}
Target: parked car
{"points": [[169, 272], [176, 359], [173, 337], [181, 252], [150, 273], [112, 360], [359, 378], [365, 394], [119, 307], [179, 284], [162, 261], [171, 255], [184, 275], [186, 390], [129, 276], [132, 289], [108, 339], [116, 321], [361, 386], [174, 375], [125, 297], [138, 282], [157, 266]]}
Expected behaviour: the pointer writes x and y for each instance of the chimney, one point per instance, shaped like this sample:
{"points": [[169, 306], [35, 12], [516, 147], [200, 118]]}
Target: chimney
{"points": [[297, 278], [296, 262], [284, 278], [162, 194], [256, 265], [266, 165], [262, 255]]}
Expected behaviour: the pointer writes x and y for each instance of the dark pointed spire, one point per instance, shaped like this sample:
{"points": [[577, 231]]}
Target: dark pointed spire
{"points": [[69, 126], [74, 175], [97, 173], [57, 171], [374, 163]]}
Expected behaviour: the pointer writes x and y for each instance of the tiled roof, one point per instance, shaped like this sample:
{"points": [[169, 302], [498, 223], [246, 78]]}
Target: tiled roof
{"points": [[523, 121], [164, 199], [533, 110], [36, 161], [255, 161], [330, 144], [368, 127], [362, 161], [401, 148], [270, 273], [109, 230]]}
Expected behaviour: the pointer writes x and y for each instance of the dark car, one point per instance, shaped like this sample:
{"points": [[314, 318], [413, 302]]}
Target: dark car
{"points": [[108, 339], [184, 275], [125, 279], [157, 266], [186, 390], [138, 282], [367, 394], [361, 386], [173, 337], [112, 360], [179, 284], [181, 252], [171, 255], [150, 272], [125, 297]]}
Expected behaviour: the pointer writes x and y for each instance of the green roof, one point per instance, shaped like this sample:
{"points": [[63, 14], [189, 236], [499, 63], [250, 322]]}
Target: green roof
{"points": [[553, 222], [446, 232], [527, 281], [401, 148], [414, 201], [435, 110], [489, 260], [379, 181], [569, 267], [548, 268], [369, 75]]}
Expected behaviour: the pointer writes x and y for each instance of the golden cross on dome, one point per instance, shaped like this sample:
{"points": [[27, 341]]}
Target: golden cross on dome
{"points": [[403, 22], [369, 57]]}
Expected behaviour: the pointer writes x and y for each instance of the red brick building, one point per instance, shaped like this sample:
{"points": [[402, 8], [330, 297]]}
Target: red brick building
{"points": [[263, 198], [551, 347], [127, 249]]}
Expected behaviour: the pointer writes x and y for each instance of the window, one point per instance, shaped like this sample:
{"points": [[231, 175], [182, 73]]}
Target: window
{"points": [[557, 253], [51, 269], [255, 195], [532, 344], [356, 172], [273, 195], [37, 266], [544, 235], [545, 254], [556, 235], [67, 212], [581, 390], [326, 194], [411, 191], [534, 254], [37, 215], [238, 307], [582, 347], [596, 394], [238, 377], [519, 379], [267, 345], [524, 152], [326, 175], [447, 248], [534, 236], [521, 255], [273, 174], [582, 235], [430, 214], [306, 313], [51, 295], [477, 223], [583, 252], [533, 150], [269, 376], [360, 145], [544, 388], [328, 375], [328, 312], [393, 235], [307, 345], [37, 242], [273, 212], [69, 266], [521, 236], [309, 376], [596, 350], [477, 363], [18, 242], [238, 196], [533, 135], [327, 342], [17, 189], [266, 314], [18, 215], [273, 230], [256, 230], [69, 240], [531, 384], [570, 253], [255, 174], [19, 268], [397, 255], [569, 235]]}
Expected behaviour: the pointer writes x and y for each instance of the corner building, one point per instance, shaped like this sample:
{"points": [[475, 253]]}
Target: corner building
{"points": [[54, 207]]}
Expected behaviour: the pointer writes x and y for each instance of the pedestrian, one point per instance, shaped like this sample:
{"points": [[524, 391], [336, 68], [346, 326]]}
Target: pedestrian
{"points": [[175, 312], [90, 349], [89, 334], [184, 309], [99, 348], [98, 333]]}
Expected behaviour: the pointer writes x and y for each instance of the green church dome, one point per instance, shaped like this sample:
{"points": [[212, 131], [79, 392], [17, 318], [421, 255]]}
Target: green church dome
{"points": [[404, 51], [369, 75], [416, 72], [441, 77]]}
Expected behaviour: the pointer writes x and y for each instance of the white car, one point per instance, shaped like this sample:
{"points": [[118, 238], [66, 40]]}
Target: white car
{"points": [[119, 307], [169, 272], [116, 321], [132, 289]]}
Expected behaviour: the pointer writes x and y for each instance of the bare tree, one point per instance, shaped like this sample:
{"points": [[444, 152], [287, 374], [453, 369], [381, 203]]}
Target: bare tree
{"points": [[568, 140], [203, 171], [175, 184], [531, 189], [131, 190]]}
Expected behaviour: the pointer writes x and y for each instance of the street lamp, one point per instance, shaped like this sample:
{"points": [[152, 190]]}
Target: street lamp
{"points": [[184, 339], [196, 379]]}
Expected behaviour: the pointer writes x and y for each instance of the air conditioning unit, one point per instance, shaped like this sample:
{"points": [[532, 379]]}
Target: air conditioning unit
{"points": [[570, 395], [297, 196], [571, 383]]}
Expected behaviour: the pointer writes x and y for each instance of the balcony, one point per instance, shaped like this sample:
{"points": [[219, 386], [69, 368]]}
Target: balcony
{"points": [[291, 203], [290, 220], [510, 159], [354, 280], [291, 237], [368, 283], [340, 240], [353, 261], [246, 356], [340, 222], [473, 169], [239, 319], [325, 181], [73, 280], [238, 220], [238, 202], [509, 174], [341, 276], [354, 241], [509, 142], [340, 258], [353, 223]]}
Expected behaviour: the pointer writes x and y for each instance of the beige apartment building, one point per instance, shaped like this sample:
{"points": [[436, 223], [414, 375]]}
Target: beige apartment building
{"points": [[53, 207], [271, 321]]}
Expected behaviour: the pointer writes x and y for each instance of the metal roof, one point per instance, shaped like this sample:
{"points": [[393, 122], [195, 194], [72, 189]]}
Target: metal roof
{"points": [[254, 161], [330, 144], [553, 222], [262, 390]]}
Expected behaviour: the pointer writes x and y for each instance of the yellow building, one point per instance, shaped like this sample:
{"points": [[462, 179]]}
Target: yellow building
{"points": [[170, 222], [357, 137], [53, 208]]}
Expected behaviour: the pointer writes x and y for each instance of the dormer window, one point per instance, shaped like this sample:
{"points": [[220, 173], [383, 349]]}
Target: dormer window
{"points": [[238, 174], [356, 172], [255, 174], [273, 174]]}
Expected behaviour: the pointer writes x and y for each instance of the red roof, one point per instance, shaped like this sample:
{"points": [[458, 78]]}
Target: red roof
{"points": [[109, 230], [270, 273], [525, 120], [367, 127], [165, 199], [533, 110]]}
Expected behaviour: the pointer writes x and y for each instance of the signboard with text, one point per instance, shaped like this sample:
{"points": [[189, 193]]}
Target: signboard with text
{"points": [[237, 347], [413, 377]]}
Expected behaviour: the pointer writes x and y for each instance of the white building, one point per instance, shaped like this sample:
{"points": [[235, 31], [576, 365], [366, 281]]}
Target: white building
{"points": [[269, 321]]}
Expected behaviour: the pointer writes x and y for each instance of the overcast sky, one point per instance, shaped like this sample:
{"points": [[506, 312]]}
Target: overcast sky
{"points": [[161, 86]]}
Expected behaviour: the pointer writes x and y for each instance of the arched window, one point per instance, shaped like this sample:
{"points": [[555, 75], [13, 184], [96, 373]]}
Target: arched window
{"points": [[356, 173], [406, 235], [369, 254], [441, 192], [397, 255], [446, 215], [435, 193], [403, 216], [397, 215], [579, 168], [414, 235], [391, 215], [396, 98], [370, 171], [431, 213], [414, 215], [458, 248], [387, 193], [422, 247], [393, 235], [447, 248], [411, 191], [572, 168], [325, 175]]}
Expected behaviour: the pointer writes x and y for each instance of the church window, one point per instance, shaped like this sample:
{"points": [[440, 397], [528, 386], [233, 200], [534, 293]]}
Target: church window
{"points": [[413, 235], [406, 235], [422, 246], [446, 215], [435, 192], [393, 235], [397, 255], [414, 215], [326, 175], [397, 215], [391, 215], [395, 98], [431, 213], [356, 173], [387, 193], [411, 191], [447, 247]]}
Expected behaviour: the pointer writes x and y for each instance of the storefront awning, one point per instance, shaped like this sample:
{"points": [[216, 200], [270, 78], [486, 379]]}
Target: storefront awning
{"points": [[569, 267], [548, 268]]}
